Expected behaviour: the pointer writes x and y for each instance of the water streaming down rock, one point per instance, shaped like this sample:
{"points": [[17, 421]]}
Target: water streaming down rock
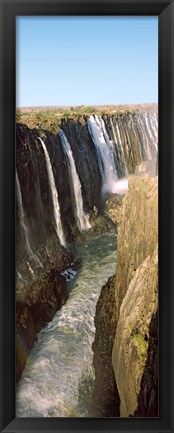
{"points": [[24, 227], [151, 121], [58, 378], [118, 143], [147, 147], [135, 138], [125, 143], [146, 134], [105, 153], [149, 133], [121, 142], [81, 218], [154, 116], [54, 194]]}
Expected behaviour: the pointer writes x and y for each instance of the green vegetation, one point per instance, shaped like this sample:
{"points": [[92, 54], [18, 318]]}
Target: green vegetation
{"points": [[139, 338], [141, 344], [50, 118], [73, 413]]}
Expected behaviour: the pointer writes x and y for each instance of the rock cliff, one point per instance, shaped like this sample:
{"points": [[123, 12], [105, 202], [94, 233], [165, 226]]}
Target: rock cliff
{"points": [[105, 401], [40, 257], [132, 319]]}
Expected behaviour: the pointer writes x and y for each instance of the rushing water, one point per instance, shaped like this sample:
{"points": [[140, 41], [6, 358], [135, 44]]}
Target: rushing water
{"points": [[22, 217], [54, 194], [118, 141], [104, 150], [24, 226], [58, 378], [82, 219]]}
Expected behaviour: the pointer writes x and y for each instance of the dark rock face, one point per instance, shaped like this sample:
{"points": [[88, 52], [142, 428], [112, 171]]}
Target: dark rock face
{"points": [[105, 400], [34, 183], [36, 304], [133, 140], [86, 162], [148, 395], [31, 315], [39, 254]]}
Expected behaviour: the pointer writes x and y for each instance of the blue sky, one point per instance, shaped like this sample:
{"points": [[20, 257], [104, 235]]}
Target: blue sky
{"points": [[86, 60]]}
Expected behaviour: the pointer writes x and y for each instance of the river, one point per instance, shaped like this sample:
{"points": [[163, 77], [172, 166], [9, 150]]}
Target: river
{"points": [[58, 378]]}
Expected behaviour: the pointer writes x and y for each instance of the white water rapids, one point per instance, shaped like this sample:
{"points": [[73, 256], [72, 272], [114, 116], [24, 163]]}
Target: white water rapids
{"points": [[58, 378]]}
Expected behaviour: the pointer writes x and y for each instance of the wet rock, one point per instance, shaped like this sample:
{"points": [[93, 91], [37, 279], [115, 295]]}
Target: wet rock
{"points": [[39, 287], [35, 310], [147, 402], [99, 223], [113, 202], [86, 161]]}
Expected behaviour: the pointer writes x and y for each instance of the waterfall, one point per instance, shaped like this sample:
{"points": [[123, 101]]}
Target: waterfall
{"points": [[24, 225], [81, 217], [143, 128], [119, 142], [149, 130], [104, 152], [146, 141], [54, 194], [151, 127], [154, 118]]}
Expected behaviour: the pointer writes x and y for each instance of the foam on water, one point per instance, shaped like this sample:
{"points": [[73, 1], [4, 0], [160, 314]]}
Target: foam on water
{"points": [[58, 378]]}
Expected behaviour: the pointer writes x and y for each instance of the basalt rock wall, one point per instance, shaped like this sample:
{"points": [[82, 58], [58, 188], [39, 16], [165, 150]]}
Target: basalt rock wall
{"points": [[128, 328], [130, 138]]}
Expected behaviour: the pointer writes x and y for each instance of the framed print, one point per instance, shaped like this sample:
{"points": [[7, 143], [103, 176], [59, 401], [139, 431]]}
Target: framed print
{"points": [[86, 216]]}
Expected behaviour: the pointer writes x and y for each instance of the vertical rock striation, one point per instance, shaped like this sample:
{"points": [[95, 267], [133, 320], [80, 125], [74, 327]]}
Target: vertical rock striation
{"points": [[133, 322], [40, 257], [130, 350]]}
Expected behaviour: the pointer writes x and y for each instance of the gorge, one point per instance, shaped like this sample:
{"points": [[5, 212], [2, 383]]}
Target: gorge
{"points": [[78, 181]]}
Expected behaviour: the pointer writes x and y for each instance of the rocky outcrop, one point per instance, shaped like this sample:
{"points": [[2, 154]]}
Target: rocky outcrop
{"points": [[134, 326], [131, 340], [40, 258], [105, 400], [137, 220], [148, 395]]}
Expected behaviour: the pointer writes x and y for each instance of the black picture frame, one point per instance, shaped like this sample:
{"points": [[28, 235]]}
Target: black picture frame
{"points": [[164, 9]]}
